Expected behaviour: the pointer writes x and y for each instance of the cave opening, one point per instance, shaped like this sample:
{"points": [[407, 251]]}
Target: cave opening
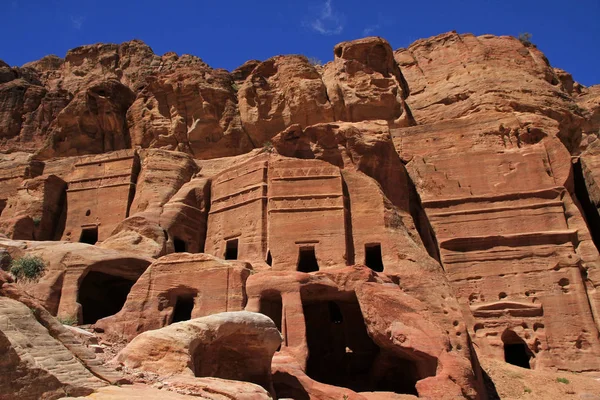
{"points": [[373, 257], [180, 245], [516, 351], [341, 353], [335, 314], [231, 249], [590, 212], [307, 260], [269, 259], [182, 311], [89, 235], [102, 295], [271, 305]]}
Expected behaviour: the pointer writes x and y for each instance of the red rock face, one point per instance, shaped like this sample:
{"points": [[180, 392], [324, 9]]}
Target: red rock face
{"points": [[160, 297], [409, 220], [27, 109], [509, 193], [192, 109], [279, 92], [364, 82]]}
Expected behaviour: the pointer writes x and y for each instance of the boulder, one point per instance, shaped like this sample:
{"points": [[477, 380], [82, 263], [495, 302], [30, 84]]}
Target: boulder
{"points": [[234, 345]]}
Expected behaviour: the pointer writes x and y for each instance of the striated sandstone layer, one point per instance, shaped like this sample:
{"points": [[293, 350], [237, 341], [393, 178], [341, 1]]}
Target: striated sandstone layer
{"points": [[412, 222]]}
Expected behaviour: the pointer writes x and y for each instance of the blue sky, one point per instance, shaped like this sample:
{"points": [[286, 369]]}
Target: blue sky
{"points": [[227, 33]]}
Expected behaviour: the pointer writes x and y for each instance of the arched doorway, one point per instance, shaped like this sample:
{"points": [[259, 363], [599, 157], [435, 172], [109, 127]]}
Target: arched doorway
{"points": [[516, 351], [102, 295]]}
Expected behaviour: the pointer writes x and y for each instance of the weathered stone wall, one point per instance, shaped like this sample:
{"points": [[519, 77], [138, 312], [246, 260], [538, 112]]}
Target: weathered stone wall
{"points": [[238, 212], [309, 193], [100, 194]]}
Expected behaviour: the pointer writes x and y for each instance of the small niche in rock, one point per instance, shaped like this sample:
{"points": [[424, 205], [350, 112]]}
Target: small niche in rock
{"points": [[307, 260], [180, 245], [272, 306], [89, 235]]}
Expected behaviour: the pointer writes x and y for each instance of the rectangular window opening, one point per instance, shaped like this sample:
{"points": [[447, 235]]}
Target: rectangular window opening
{"points": [[89, 235], [307, 259], [373, 257], [180, 245], [231, 249]]}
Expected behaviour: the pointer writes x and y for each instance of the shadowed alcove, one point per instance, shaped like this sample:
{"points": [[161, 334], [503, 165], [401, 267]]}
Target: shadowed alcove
{"points": [[89, 235], [179, 245], [271, 306], [102, 295], [516, 351], [182, 311], [373, 257], [341, 353], [307, 260], [231, 249]]}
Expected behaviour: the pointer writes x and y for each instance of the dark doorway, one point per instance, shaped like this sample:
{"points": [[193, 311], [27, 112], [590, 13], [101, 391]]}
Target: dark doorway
{"points": [[89, 235], [373, 258], [335, 314], [516, 354], [272, 306], [231, 249], [180, 245], [307, 260], [183, 309], [516, 351], [341, 353], [590, 210], [102, 295], [269, 259]]}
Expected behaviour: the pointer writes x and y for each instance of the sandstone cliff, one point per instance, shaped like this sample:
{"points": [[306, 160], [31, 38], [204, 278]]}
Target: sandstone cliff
{"points": [[422, 222]]}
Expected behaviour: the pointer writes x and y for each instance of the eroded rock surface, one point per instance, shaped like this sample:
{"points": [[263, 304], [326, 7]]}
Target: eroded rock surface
{"points": [[279, 92], [34, 364], [191, 109], [411, 222]]}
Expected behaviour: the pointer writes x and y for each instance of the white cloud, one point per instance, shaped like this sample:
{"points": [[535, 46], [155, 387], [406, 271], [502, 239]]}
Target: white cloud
{"points": [[367, 31], [328, 21], [382, 22], [77, 22]]}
